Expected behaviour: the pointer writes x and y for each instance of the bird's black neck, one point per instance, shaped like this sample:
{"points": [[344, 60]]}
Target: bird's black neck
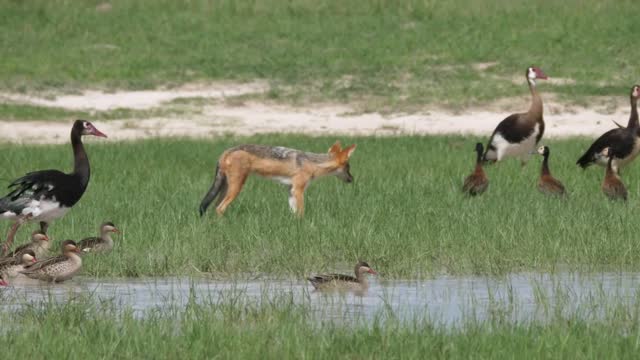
{"points": [[633, 118], [610, 172], [80, 159], [479, 157], [545, 165]]}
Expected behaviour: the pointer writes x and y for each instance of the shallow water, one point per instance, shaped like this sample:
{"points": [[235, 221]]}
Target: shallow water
{"points": [[448, 300]]}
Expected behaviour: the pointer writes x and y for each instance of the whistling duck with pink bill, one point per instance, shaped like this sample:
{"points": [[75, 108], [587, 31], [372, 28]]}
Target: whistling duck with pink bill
{"points": [[517, 135], [547, 184], [612, 186], [344, 282], [59, 268], [11, 266], [47, 195], [477, 182], [624, 141], [39, 244]]}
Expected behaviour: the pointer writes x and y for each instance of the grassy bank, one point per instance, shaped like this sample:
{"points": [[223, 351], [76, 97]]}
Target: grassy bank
{"points": [[281, 330], [382, 52], [404, 213]]}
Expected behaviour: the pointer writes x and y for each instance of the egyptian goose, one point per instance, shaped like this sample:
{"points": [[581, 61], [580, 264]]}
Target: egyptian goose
{"points": [[547, 184], [625, 141], [477, 182], [59, 268], [344, 282], [102, 243], [11, 266], [612, 186], [39, 244], [518, 134], [47, 195]]}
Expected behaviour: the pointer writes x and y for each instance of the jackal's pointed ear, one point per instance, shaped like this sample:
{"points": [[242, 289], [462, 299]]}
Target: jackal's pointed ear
{"points": [[335, 148], [348, 151]]}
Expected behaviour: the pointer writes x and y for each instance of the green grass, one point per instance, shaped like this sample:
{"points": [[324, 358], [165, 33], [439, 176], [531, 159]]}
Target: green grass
{"points": [[386, 53], [404, 213], [279, 329], [34, 112]]}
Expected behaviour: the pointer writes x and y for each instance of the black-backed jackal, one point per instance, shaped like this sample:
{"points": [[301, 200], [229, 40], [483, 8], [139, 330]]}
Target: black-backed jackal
{"points": [[290, 167]]}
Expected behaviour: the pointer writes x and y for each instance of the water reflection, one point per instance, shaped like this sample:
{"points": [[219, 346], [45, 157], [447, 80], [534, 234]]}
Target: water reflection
{"points": [[449, 300]]}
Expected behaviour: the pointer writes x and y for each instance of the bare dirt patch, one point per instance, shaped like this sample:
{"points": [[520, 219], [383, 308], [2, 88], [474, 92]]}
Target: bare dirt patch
{"points": [[138, 100], [252, 117]]}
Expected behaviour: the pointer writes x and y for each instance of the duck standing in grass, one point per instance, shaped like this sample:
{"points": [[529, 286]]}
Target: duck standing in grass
{"points": [[547, 184], [47, 195], [59, 268], [102, 243], [358, 283], [518, 134], [477, 182], [39, 244], [612, 186], [11, 266]]}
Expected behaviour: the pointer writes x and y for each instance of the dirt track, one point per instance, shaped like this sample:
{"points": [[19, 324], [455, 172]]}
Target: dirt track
{"points": [[254, 117]]}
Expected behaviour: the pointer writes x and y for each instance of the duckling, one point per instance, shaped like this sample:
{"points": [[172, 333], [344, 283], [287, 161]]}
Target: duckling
{"points": [[477, 182], [612, 186], [39, 245], [11, 266], [59, 268], [344, 282], [547, 184], [103, 243]]}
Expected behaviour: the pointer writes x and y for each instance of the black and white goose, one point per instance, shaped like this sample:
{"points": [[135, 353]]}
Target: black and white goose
{"points": [[517, 135], [633, 117], [625, 142], [47, 195]]}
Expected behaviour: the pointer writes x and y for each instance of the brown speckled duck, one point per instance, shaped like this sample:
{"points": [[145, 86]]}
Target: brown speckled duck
{"points": [[102, 243], [344, 282], [11, 266], [59, 268], [39, 245]]}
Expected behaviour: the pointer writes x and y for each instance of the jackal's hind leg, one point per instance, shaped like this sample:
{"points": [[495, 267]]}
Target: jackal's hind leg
{"points": [[234, 185]]}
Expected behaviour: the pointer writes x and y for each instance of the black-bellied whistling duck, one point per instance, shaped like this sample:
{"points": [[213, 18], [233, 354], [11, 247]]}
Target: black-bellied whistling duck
{"points": [[625, 141], [518, 134], [548, 184], [59, 268], [11, 266], [344, 282], [39, 244], [477, 182], [102, 243], [47, 195], [612, 186]]}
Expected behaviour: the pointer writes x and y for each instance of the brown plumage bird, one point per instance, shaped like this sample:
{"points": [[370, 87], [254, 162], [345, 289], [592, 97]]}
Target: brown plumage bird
{"points": [[477, 182], [612, 186], [547, 184], [344, 282]]}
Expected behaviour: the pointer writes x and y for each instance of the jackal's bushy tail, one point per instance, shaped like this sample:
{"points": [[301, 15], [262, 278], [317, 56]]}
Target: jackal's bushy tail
{"points": [[218, 182]]}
